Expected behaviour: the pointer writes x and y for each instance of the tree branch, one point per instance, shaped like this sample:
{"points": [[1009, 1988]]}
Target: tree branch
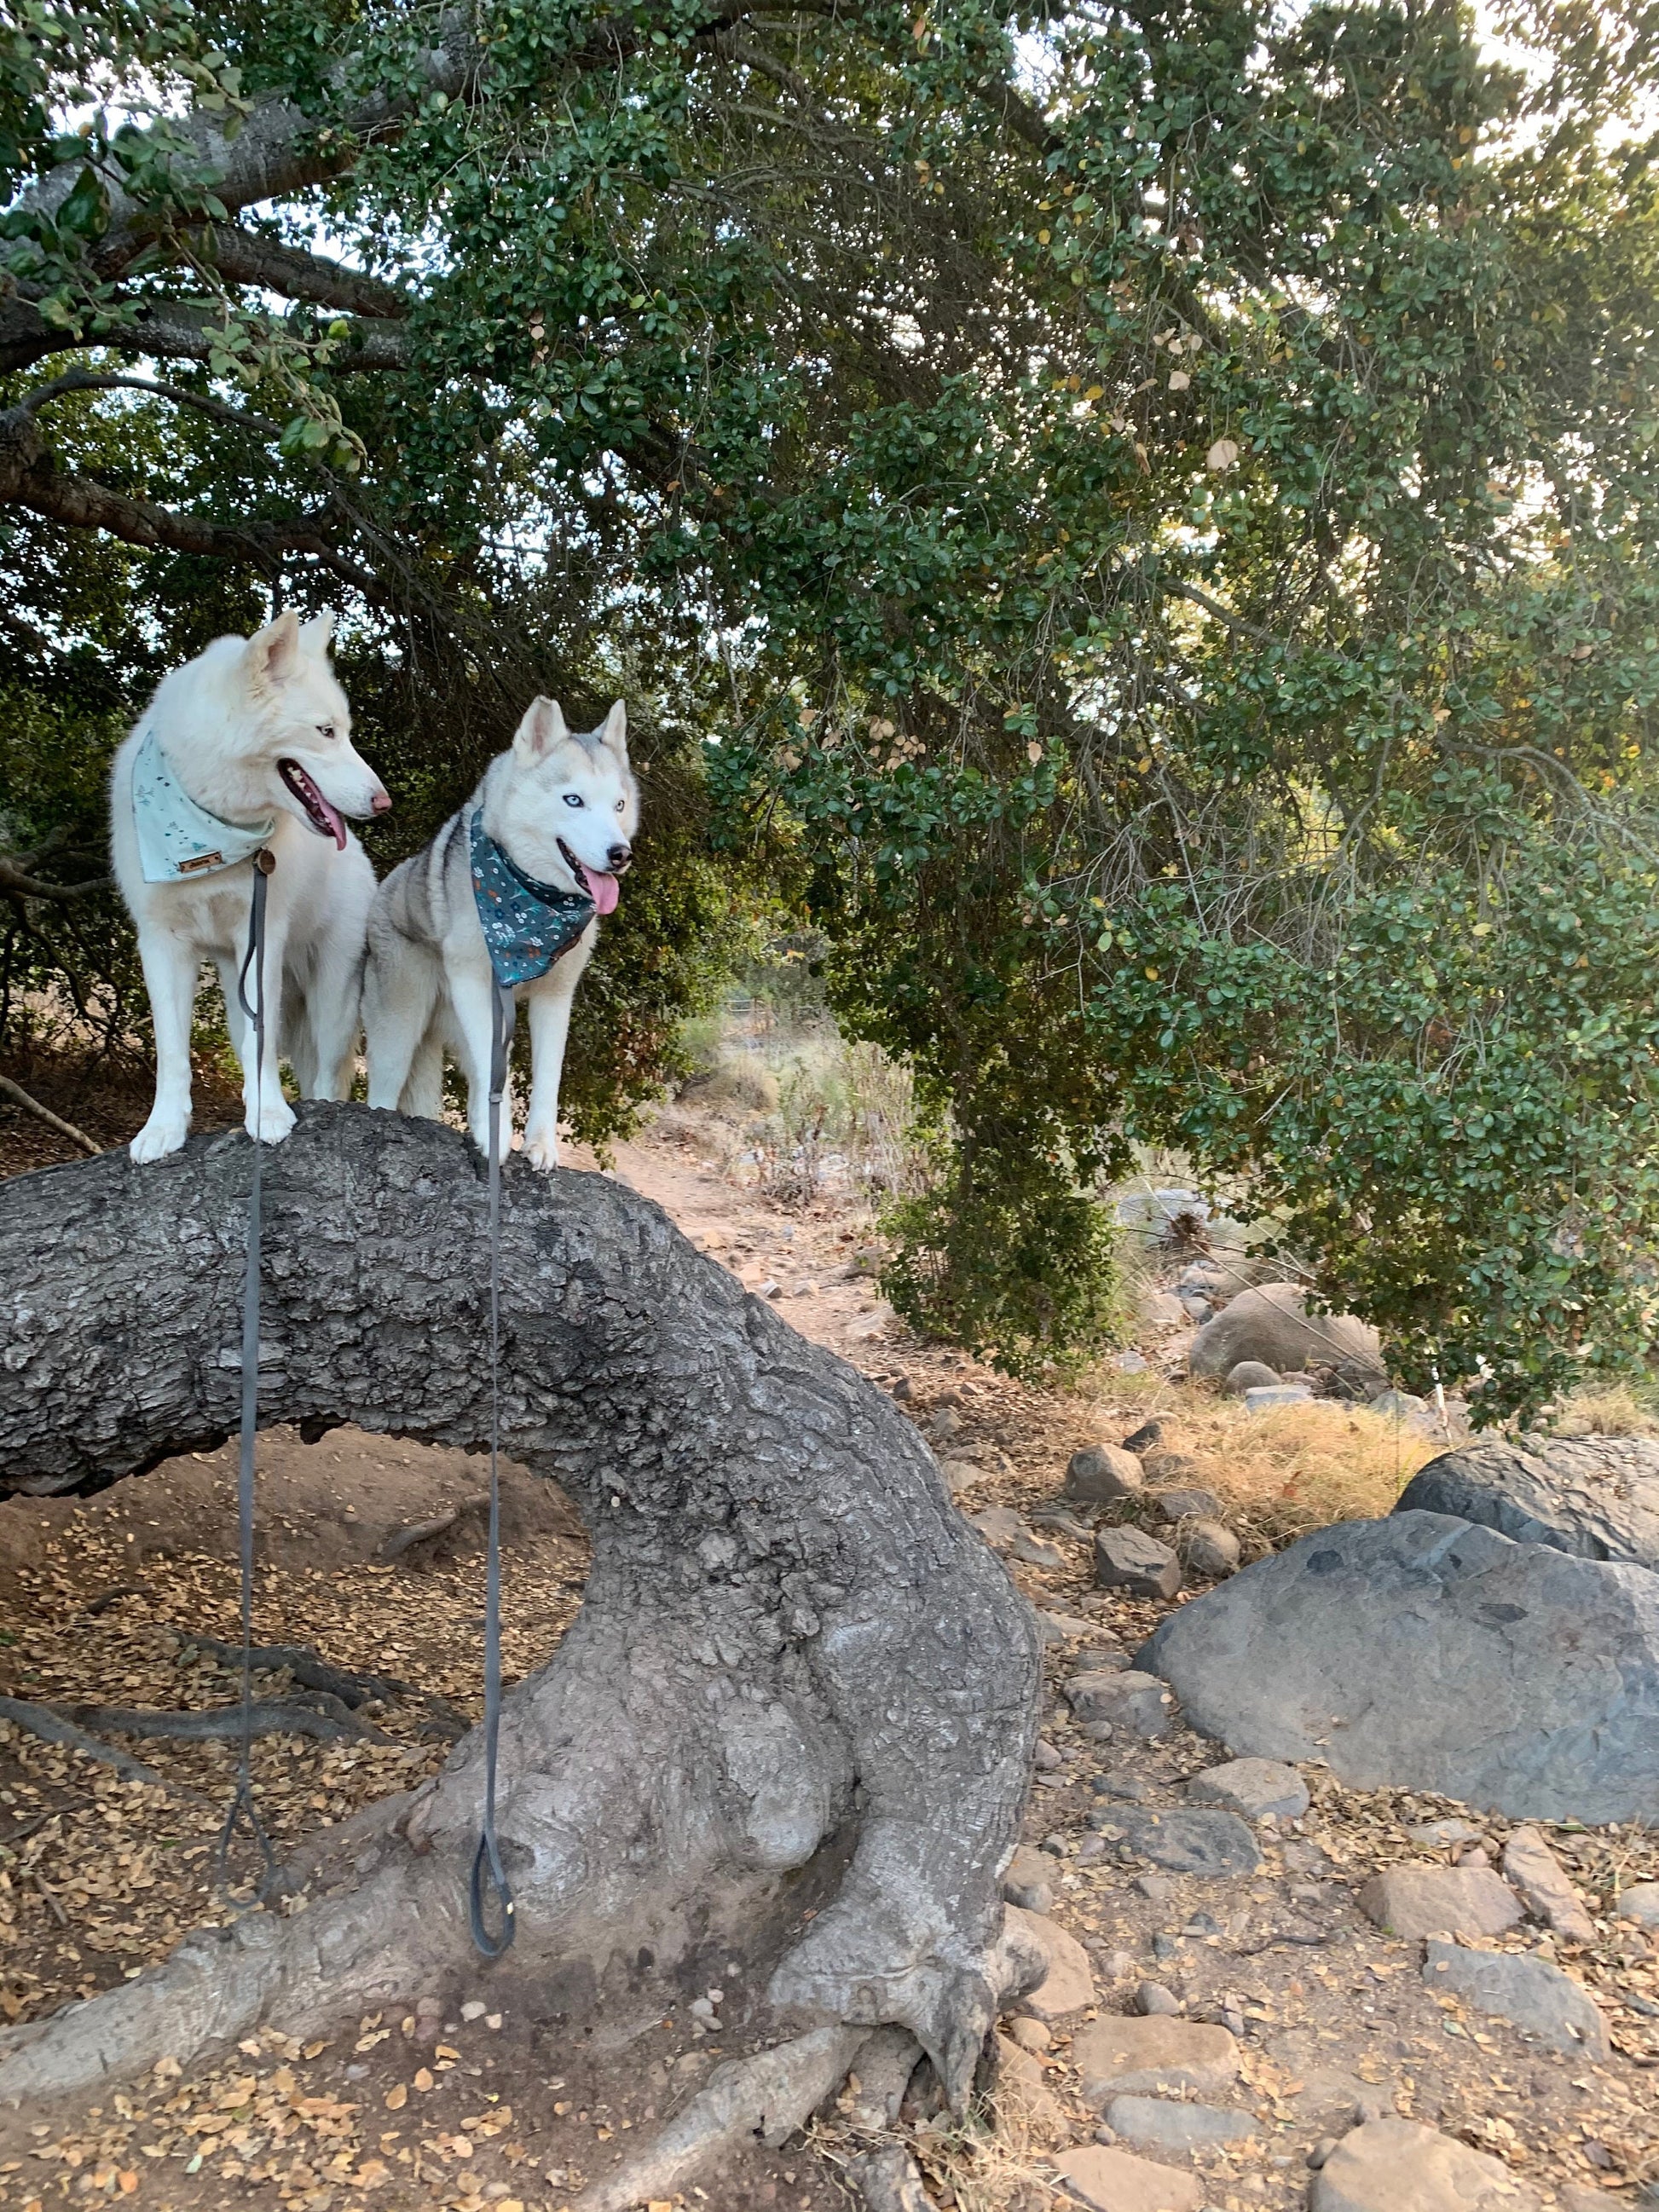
{"points": [[245, 259], [30, 1105], [82, 379], [17, 883], [178, 329]]}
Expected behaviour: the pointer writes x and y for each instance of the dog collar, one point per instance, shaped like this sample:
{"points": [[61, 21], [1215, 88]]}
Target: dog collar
{"points": [[177, 838], [526, 925]]}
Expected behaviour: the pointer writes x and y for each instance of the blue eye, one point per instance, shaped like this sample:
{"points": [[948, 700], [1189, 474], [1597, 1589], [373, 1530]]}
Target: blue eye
{"points": [[573, 799]]}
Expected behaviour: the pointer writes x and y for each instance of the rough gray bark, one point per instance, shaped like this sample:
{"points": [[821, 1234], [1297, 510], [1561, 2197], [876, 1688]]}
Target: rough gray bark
{"points": [[791, 1647]]}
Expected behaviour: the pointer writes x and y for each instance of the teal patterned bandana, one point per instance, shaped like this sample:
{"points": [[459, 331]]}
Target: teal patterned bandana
{"points": [[176, 837], [526, 925]]}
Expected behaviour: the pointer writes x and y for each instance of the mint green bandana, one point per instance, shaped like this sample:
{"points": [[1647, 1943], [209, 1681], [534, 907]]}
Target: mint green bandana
{"points": [[177, 838]]}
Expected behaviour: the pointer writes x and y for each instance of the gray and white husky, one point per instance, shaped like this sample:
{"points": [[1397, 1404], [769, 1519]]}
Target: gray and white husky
{"points": [[248, 745], [562, 807]]}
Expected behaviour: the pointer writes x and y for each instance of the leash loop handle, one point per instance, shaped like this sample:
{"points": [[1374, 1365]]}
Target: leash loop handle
{"points": [[488, 1874], [242, 1816]]}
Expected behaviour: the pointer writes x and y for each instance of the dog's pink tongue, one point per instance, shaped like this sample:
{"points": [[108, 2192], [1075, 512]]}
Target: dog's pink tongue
{"points": [[603, 890], [335, 823]]}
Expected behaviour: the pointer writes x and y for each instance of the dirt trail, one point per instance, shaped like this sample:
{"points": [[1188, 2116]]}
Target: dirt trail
{"points": [[488, 2096]]}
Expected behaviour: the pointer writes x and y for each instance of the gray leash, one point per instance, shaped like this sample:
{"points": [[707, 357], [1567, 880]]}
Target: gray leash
{"points": [[243, 1813], [486, 1868]]}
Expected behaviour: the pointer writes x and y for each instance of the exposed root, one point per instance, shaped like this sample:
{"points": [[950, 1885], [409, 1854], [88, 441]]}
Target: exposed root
{"points": [[768, 2095], [889, 2181], [52, 1727], [267, 1716], [313, 1672], [403, 1540]]}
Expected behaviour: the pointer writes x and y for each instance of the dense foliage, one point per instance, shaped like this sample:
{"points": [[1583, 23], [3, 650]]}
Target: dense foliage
{"points": [[1154, 505]]}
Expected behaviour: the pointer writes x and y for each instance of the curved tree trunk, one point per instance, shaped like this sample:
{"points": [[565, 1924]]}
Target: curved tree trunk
{"points": [[791, 1647]]}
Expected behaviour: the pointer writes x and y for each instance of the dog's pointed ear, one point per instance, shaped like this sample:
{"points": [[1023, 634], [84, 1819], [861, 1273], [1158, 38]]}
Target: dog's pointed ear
{"points": [[615, 732], [315, 635], [273, 653], [542, 728]]}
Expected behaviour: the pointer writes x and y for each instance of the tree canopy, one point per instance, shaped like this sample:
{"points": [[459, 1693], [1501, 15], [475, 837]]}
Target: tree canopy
{"points": [[1139, 521]]}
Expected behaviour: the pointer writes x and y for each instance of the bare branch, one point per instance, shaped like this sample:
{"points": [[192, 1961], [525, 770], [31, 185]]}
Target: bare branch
{"points": [[82, 380], [19, 1097], [18, 883]]}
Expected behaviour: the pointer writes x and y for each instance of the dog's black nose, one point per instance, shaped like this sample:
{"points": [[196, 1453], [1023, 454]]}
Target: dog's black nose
{"points": [[618, 857]]}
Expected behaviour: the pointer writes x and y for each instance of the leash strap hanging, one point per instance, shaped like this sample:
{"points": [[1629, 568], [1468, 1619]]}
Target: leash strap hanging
{"points": [[243, 1815], [488, 1874]]}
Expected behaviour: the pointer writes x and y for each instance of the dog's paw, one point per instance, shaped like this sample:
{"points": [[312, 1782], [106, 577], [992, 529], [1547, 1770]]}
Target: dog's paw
{"points": [[161, 1134], [273, 1124], [542, 1152]]}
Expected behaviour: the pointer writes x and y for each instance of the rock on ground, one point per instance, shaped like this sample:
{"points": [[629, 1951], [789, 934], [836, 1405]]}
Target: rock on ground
{"points": [[1027, 1880], [1153, 2056], [1251, 1375], [1123, 1696], [1210, 1547], [1640, 1903], [1191, 1504], [1395, 2165], [1129, 1559], [1439, 1900], [1210, 1843], [1272, 1324], [1069, 1983], [1533, 1867], [1422, 1653], [1596, 1497], [1165, 2123], [1253, 1788], [1101, 1472], [1529, 1993], [1112, 2181]]}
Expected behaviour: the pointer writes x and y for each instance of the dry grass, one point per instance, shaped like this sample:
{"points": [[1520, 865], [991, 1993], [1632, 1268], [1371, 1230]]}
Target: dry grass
{"points": [[1280, 1475], [1615, 1411]]}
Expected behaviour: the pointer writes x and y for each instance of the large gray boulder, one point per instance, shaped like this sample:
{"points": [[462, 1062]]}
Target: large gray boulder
{"points": [[1272, 1324], [1594, 1495], [1423, 1653]]}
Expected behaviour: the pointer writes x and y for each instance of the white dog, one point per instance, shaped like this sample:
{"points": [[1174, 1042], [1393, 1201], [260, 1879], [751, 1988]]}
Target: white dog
{"points": [[247, 745], [509, 891]]}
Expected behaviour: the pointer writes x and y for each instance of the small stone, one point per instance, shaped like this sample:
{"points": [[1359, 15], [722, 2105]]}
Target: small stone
{"points": [[1147, 1438], [1123, 1788], [1253, 1788], [1026, 1881], [1046, 1759], [1101, 1472], [1117, 1966], [1151, 1998], [1137, 1702], [1065, 1627], [1395, 2165], [1640, 1903], [1157, 1888], [1029, 2034], [1271, 1397], [355, 2073], [1160, 2123], [474, 2008], [1128, 1559], [1152, 2055], [1090, 1848], [1442, 1835], [1474, 1855], [1165, 1946], [1190, 1503], [1535, 1871], [1210, 1547], [1429, 1901], [1210, 1843], [1251, 1375], [1109, 2180], [1034, 1551], [1170, 1470], [1069, 1983], [1528, 1993], [770, 1290], [999, 1525]]}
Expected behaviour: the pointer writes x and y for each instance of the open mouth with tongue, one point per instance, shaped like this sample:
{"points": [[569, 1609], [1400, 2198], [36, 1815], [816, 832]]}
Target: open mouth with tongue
{"points": [[325, 819], [603, 890]]}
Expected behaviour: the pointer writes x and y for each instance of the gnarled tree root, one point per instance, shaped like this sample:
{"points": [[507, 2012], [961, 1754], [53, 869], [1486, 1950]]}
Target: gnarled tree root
{"points": [[794, 1663]]}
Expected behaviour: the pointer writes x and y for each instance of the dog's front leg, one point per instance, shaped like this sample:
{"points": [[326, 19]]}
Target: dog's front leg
{"points": [[550, 1001], [170, 966], [266, 1113]]}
